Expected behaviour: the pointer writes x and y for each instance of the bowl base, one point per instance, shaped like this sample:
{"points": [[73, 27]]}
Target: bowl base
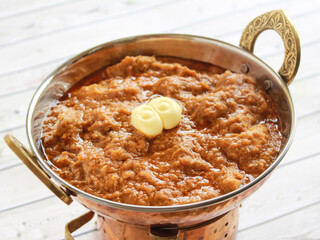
{"points": [[222, 227]]}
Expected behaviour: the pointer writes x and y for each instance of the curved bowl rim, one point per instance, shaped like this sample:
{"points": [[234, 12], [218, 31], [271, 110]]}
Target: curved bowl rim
{"points": [[140, 208]]}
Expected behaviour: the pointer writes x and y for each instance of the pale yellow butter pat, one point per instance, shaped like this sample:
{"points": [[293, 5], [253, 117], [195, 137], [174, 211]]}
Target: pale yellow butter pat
{"points": [[168, 109], [145, 119]]}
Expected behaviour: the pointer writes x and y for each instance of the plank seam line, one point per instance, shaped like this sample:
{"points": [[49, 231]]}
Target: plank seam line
{"points": [[37, 65], [300, 15], [222, 15], [77, 26], [280, 216], [307, 76], [138, 9], [26, 203], [70, 55], [10, 166], [34, 9], [298, 160], [276, 52], [12, 128], [308, 114], [83, 233], [22, 90]]}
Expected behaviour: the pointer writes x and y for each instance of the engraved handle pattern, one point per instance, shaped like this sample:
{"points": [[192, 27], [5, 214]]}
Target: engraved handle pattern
{"points": [[280, 22]]}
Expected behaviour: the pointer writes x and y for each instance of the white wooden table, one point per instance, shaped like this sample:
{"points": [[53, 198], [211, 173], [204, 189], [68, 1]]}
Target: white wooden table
{"points": [[36, 36]]}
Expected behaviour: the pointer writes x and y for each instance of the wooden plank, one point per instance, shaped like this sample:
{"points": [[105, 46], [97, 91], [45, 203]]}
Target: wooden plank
{"points": [[91, 235], [304, 103], [15, 8], [30, 78], [221, 26], [306, 140], [14, 114], [41, 220], [89, 35], [65, 16], [285, 191], [84, 12], [27, 79], [299, 225], [306, 96], [308, 66], [7, 157], [22, 186]]}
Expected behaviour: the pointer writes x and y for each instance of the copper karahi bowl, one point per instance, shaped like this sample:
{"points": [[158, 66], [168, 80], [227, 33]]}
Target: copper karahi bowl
{"points": [[127, 221]]}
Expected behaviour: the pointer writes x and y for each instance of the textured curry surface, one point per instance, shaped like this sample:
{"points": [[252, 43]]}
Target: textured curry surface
{"points": [[228, 134]]}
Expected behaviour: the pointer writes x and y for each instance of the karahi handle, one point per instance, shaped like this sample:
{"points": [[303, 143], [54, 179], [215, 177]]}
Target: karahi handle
{"points": [[31, 162], [280, 22]]}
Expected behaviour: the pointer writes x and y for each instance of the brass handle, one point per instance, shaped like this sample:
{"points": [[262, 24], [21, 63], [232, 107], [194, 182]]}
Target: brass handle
{"points": [[77, 223], [31, 162], [280, 22]]}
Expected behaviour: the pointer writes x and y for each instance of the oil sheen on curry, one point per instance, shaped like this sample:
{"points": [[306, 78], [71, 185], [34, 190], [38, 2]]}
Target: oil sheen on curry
{"points": [[228, 133]]}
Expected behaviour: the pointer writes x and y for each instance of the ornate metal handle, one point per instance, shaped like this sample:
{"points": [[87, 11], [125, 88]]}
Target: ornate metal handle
{"points": [[31, 162], [280, 22]]}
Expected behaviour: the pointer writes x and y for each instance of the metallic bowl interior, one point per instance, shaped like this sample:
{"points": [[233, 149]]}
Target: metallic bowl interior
{"points": [[176, 45]]}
